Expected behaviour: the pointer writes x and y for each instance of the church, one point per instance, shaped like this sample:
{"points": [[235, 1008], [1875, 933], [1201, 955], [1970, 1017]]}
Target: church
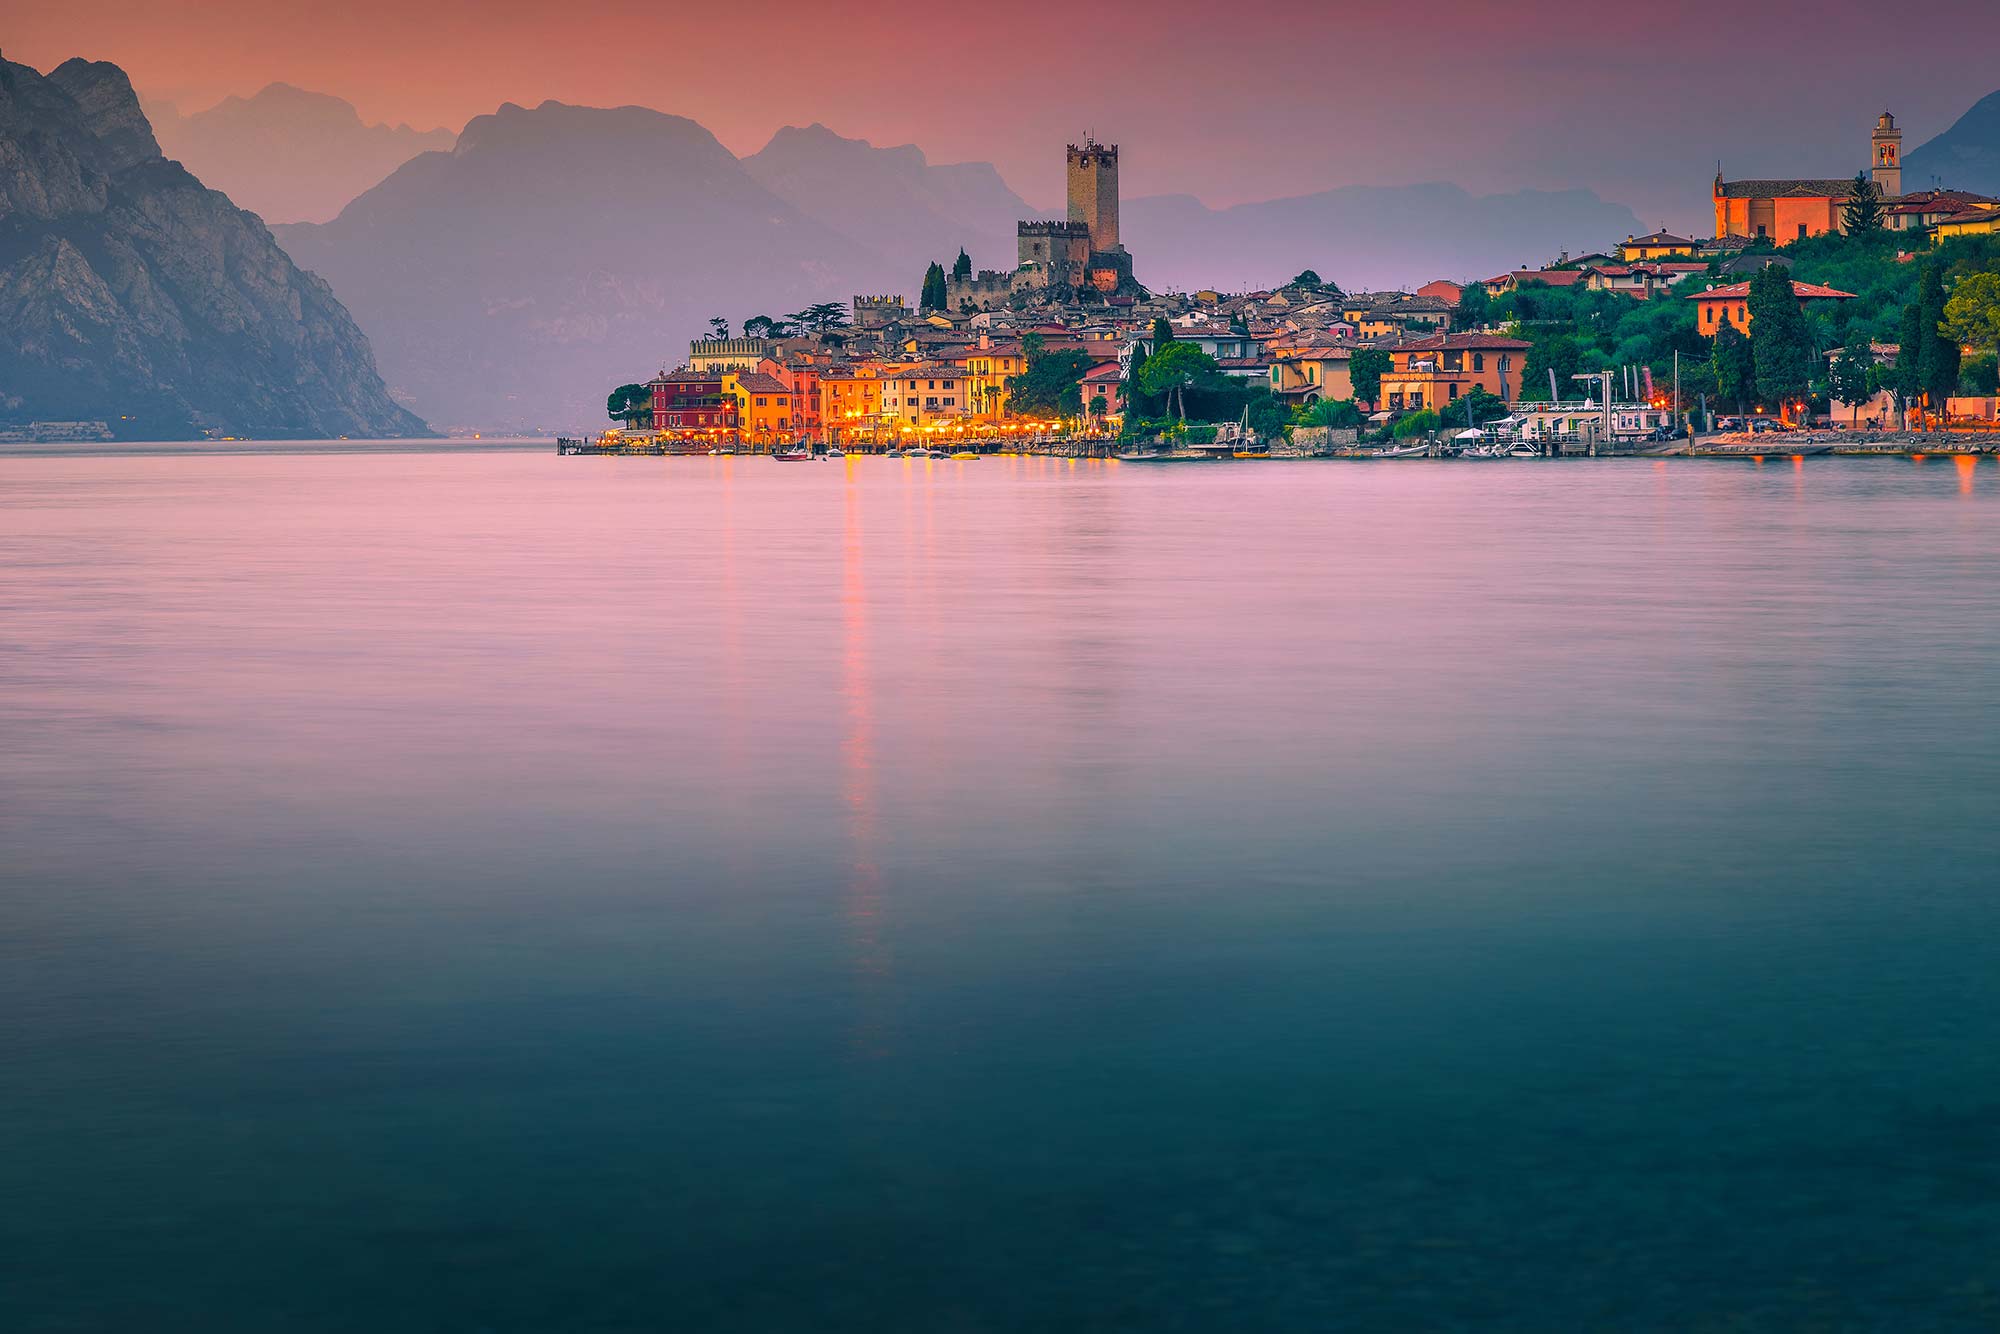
{"points": [[1786, 210]]}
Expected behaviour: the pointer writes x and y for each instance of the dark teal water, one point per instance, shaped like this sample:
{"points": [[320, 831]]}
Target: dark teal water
{"points": [[493, 892]]}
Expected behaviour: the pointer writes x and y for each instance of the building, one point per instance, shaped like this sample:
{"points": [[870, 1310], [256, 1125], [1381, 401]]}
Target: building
{"points": [[1103, 382], [1310, 374], [688, 403], [765, 412], [1442, 290], [1657, 245], [1925, 209], [728, 354], [1436, 372], [872, 313], [1519, 278], [1986, 222], [1731, 305], [920, 396], [850, 402], [1787, 210], [1083, 251], [985, 290]]}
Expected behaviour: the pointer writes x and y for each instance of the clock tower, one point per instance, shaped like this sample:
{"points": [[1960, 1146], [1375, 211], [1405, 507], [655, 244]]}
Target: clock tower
{"points": [[1887, 159]]}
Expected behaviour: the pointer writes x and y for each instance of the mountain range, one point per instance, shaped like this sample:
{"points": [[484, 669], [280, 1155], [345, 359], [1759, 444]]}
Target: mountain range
{"points": [[286, 154], [1964, 157], [558, 251], [130, 292]]}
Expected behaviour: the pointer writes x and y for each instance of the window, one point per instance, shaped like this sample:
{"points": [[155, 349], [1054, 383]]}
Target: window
{"points": [[760, 402], [1802, 231], [1454, 393], [1479, 361]]}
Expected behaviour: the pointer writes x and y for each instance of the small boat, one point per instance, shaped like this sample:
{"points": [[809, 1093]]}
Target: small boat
{"points": [[1252, 454], [1524, 451], [792, 455], [965, 454], [836, 452], [920, 453], [1403, 452]]}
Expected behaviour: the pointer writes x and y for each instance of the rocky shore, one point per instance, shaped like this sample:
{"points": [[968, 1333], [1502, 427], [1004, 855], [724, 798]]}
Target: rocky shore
{"points": [[1858, 442]]}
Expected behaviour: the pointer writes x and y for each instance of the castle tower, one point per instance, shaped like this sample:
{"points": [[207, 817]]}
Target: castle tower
{"points": [[1887, 158], [1093, 192]]}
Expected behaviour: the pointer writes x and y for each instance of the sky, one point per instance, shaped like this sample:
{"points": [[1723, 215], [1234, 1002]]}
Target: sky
{"points": [[1248, 100]]}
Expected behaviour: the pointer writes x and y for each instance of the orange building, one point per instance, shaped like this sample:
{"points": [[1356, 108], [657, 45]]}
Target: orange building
{"points": [[1436, 372], [1442, 290], [850, 402], [765, 413], [1731, 305], [1781, 210]]}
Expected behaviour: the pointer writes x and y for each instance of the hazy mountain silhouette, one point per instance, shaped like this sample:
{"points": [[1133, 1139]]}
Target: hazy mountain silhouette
{"points": [[554, 253], [129, 292], [1364, 237], [1964, 157], [289, 155], [892, 200]]}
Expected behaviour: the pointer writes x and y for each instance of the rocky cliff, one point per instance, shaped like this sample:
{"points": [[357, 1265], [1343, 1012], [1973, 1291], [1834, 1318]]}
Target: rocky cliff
{"points": [[132, 293]]}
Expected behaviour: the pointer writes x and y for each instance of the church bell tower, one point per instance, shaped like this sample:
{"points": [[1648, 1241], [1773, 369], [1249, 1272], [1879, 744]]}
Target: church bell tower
{"points": [[1887, 158]]}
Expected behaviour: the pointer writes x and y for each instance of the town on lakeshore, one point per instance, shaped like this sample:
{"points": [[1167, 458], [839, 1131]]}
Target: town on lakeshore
{"points": [[1842, 313]]}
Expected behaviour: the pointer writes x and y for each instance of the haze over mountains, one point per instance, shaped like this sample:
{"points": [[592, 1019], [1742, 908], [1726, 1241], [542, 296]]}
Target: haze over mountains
{"points": [[558, 251], [132, 294], [286, 154]]}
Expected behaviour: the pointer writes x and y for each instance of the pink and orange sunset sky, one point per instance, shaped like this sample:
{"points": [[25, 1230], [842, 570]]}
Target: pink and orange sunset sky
{"points": [[1231, 102]]}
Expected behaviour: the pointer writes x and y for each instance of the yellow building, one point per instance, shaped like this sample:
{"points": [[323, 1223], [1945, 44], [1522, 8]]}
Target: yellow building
{"points": [[1659, 245], [987, 371], [919, 397], [1984, 223], [765, 413]]}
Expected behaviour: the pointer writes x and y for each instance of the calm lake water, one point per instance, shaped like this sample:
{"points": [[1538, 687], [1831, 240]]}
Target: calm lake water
{"points": [[482, 891]]}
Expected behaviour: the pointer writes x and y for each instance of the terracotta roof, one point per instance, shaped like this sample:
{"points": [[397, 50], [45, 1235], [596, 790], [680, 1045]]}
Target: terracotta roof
{"points": [[1658, 238], [1553, 277], [1803, 291], [757, 382], [1797, 188], [1466, 342]]}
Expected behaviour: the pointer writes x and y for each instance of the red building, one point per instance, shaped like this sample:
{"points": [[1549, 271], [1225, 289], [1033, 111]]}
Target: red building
{"points": [[686, 401]]}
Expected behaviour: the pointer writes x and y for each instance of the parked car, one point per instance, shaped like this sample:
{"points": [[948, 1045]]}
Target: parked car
{"points": [[1728, 423]]}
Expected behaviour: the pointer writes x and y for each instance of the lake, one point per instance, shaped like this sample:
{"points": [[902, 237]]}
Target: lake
{"points": [[463, 889]]}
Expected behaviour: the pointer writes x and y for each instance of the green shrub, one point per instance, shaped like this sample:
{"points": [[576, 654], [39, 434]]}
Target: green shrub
{"points": [[1417, 423]]}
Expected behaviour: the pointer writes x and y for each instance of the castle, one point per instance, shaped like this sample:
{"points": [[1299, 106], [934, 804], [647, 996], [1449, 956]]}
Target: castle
{"points": [[1786, 210], [1083, 251]]}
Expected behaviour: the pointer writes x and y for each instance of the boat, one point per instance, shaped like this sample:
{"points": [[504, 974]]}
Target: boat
{"points": [[836, 452], [1403, 452], [792, 455], [1524, 451], [1252, 454], [965, 454], [920, 453], [1166, 458]]}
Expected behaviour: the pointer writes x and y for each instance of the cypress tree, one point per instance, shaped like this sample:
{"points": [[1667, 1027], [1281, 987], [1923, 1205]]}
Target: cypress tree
{"points": [[1937, 355], [1778, 339], [1735, 370], [933, 297], [962, 266], [1907, 378]]}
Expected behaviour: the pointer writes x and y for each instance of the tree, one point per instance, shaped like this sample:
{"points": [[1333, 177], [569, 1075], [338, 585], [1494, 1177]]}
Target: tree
{"points": [[630, 403], [962, 266], [1338, 413], [761, 326], [1849, 379], [1908, 380], [1549, 352], [1473, 309], [1735, 367], [1136, 398], [1163, 332], [1979, 377], [1972, 315], [1479, 405], [1306, 278], [1417, 423], [1175, 368], [1937, 355], [1365, 370], [1862, 213], [1050, 384], [1778, 339], [934, 296], [718, 327], [1267, 415]]}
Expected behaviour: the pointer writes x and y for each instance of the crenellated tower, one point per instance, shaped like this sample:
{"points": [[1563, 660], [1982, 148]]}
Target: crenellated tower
{"points": [[1093, 192]]}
